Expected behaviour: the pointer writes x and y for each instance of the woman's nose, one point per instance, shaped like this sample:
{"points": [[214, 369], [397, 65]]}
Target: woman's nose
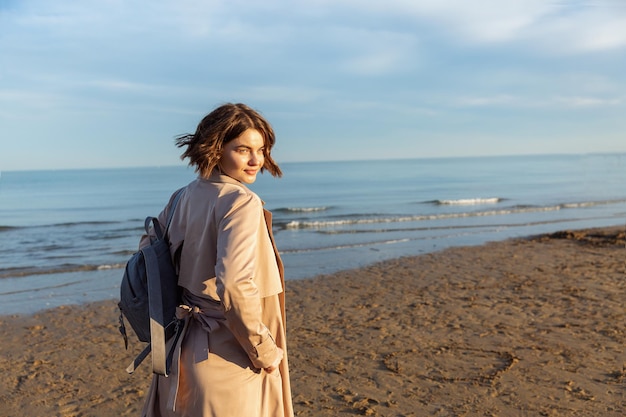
{"points": [[255, 159]]}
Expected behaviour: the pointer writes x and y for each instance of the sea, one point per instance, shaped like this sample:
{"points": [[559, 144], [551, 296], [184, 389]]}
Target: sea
{"points": [[65, 235]]}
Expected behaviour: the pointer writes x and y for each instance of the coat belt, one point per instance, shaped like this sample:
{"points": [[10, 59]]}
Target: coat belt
{"points": [[209, 321]]}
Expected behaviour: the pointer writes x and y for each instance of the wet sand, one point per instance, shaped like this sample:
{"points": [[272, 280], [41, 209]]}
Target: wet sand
{"points": [[524, 327]]}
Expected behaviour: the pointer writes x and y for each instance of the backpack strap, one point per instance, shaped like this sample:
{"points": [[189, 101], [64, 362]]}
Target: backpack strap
{"points": [[171, 213], [155, 305], [160, 356], [174, 328], [155, 222], [159, 332]]}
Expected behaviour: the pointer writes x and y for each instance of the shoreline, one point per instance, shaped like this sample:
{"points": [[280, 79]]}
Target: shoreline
{"points": [[525, 326], [40, 292]]}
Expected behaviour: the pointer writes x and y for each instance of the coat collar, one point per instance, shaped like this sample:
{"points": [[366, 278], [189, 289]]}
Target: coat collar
{"points": [[218, 176]]}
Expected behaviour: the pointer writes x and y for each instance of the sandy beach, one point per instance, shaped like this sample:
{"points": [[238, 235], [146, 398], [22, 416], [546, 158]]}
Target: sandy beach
{"points": [[524, 327]]}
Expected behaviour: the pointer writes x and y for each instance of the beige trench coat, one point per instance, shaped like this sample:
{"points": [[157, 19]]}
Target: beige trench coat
{"points": [[234, 308]]}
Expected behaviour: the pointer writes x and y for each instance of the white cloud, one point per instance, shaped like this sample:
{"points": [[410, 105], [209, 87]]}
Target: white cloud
{"points": [[485, 20], [485, 101], [373, 52], [602, 33], [560, 26], [564, 25], [14, 102], [285, 93], [537, 101], [577, 101], [475, 21], [118, 85]]}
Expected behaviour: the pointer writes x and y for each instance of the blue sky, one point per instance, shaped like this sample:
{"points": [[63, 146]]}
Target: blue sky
{"points": [[110, 83]]}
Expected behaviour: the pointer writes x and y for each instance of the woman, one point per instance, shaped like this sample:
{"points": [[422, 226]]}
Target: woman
{"points": [[231, 359]]}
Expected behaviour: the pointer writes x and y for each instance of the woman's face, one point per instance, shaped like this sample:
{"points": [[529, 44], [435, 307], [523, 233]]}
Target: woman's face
{"points": [[243, 157]]}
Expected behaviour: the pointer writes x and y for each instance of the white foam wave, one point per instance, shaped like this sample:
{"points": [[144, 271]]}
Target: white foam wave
{"points": [[469, 201], [442, 216], [347, 246], [110, 266], [305, 209]]}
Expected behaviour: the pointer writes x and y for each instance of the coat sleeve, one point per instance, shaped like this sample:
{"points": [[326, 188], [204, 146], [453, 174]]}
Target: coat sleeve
{"points": [[237, 237]]}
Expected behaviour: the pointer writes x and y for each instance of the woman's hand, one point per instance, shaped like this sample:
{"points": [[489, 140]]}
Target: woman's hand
{"points": [[274, 366]]}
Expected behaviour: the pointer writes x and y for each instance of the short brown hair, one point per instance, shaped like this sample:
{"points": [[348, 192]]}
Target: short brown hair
{"points": [[225, 123]]}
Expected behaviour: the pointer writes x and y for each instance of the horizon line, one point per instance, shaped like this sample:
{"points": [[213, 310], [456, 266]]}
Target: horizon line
{"points": [[334, 161]]}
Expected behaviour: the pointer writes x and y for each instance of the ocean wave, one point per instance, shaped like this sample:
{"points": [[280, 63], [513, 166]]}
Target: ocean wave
{"points": [[48, 287], [65, 225], [300, 209], [7, 228], [346, 246], [60, 269], [469, 201], [87, 223], [321, 224], [467, 228]]}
